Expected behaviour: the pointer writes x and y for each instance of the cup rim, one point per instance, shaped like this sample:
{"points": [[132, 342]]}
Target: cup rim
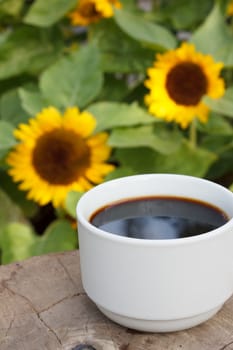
{"points": [[151, 242]]}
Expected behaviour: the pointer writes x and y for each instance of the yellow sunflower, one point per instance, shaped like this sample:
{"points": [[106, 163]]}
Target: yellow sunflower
{"points": [[230, 8], [57, 154], [178, 81], [91, 11]]}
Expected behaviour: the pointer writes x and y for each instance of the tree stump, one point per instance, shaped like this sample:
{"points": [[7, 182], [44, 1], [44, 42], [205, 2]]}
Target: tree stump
{"points": [[43, 307]]}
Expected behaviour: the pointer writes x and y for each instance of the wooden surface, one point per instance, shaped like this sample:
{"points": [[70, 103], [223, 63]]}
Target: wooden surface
{"points": [[44, 307]]}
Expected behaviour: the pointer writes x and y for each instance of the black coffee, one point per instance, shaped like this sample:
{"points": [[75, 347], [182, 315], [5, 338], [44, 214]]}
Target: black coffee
{"points": [[159, 218]]}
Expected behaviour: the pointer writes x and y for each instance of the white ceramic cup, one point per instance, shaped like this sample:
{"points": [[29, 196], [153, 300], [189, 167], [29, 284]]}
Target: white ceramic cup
{"points": [[156, 285]]}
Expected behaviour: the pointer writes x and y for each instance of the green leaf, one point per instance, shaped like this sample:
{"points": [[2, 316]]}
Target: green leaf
{"points": [[32, 102], [27, 49], [217, 143], [142, 30], [119, 172], [45, 13], [71, 202], [16, 242], [112, 114], [7, 139], [223, 167], [59, 236], [11, 7], [9, 211], [186, 160], [231, 187], [11, 109], [18, 197], [217, 125], [214, 38], [73, 80], [157, 137], [185, 14], [114, 89], [129, 56], [4, 35], [223, 105], [13, 239], [129, 4], [139, 160], [19, 242]]}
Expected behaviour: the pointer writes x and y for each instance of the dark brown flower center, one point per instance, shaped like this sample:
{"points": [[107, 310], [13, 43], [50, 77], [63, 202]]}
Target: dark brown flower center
{"points": [[186, 83], [60, 156], [88, 11]]}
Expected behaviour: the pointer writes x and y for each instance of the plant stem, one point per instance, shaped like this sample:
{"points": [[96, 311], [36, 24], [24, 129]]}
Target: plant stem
{"points": [[193, 134]]}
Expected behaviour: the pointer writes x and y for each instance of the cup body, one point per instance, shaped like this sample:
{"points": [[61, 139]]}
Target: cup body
{"points": [[156, 285]]}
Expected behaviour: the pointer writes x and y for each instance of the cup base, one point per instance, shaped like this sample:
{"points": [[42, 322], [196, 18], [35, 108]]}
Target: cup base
{"points": [[159, 325]]}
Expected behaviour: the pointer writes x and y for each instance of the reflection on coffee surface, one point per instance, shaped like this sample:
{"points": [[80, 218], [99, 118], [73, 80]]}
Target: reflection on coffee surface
{"points": [[159, 217]]}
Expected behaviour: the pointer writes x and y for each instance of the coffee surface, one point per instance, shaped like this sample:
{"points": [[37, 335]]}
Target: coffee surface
{"points": [[158, 218]]}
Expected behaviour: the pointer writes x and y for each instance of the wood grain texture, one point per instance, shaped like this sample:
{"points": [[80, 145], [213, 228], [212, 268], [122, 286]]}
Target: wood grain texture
{"points": [[44, 307]]}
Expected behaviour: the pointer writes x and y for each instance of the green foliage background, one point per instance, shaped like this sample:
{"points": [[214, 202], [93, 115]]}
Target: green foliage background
{"points": [[45, 61]]}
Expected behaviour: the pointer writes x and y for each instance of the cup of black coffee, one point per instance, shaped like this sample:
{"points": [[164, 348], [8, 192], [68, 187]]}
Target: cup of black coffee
{"points": [[156, 250]]}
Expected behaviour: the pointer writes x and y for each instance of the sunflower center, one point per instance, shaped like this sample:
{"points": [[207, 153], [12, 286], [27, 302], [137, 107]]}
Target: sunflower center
{"points": [[186, 83], [61, 156], [88, 10]]}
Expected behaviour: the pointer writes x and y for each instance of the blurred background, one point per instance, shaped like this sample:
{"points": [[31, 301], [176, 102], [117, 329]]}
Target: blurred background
{"points": [[92, 90]]}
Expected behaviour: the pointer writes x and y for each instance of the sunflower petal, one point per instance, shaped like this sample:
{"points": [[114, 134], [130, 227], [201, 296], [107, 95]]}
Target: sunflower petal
{"points": [[58, 154], [172, 96]]}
